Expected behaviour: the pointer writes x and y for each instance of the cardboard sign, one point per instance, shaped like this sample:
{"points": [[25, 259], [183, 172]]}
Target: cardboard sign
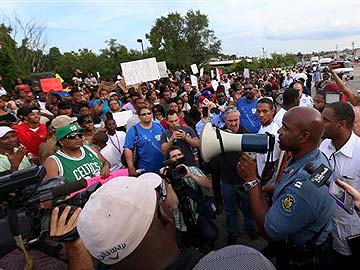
{"points": [[51, 84], [201, 72], [194, 69], [140, 71], [106, 86], [246, 73], [121, 118], [194, 80], [162, 69]]}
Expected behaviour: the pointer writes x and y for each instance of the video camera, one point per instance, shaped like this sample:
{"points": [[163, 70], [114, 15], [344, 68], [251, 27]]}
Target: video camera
{"points": [[174, 173], [321, 176], [25, 190]]}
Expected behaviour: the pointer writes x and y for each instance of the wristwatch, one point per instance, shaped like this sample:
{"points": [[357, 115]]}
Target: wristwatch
{"points": [[249, 185]]}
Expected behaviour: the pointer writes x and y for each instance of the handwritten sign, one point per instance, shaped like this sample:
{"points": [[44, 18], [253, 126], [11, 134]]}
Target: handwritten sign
{"points": [[106, 86], [51, 84], [194, 80], [162, 69], [246, 73], [194, 69], [140, 71], [201, 72], [121, 118]]}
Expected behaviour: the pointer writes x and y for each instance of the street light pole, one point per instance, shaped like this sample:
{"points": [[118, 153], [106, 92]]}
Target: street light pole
{"points": [[142, 44]]}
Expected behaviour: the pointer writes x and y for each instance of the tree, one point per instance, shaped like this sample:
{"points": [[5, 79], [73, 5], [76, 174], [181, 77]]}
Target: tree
{"points": [[11, 66], [182, 41]]}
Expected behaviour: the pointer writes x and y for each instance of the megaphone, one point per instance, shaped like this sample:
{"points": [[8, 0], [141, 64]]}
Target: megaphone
{"points": [[214, 141]]}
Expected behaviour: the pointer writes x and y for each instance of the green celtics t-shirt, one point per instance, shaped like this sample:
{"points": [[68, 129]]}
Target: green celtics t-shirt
{"points": [[73, 169]]}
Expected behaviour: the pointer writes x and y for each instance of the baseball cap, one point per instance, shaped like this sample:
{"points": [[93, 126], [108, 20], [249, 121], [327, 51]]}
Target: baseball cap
{"points": [[62, 120], [4, 130], [62, 132], [234, 257], [116, 218]]}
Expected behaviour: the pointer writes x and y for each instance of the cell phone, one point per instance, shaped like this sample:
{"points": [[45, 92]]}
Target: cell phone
{"points": [[205, 102], [342, 198], [205, 111]]}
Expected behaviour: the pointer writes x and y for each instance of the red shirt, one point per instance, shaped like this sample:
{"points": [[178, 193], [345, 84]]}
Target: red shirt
{"points": [[30, 139]]}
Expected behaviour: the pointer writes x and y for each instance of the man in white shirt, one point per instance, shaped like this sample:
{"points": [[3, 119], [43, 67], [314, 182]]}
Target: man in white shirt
{"points": [[108, 150], [305, 100], [290, 100], [265, 111], [342, 148], [287, 81]]}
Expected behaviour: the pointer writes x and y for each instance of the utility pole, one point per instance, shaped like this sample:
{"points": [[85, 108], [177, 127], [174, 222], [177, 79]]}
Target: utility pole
{"points": [[353, 49], [263, 49], [336, 53]]}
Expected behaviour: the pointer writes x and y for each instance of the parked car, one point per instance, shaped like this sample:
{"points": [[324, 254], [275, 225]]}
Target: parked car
{"points": [[347, 69]]}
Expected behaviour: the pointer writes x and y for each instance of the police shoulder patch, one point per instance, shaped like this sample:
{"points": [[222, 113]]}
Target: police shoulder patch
{"points": [[288, 202]]}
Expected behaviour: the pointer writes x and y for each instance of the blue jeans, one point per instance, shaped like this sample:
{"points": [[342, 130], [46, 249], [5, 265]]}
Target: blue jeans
{"points": [[233, 194]]}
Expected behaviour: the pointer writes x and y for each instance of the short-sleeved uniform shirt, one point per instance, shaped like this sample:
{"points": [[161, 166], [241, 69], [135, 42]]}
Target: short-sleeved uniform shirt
{"points": [[300, 209], [149, 155]]}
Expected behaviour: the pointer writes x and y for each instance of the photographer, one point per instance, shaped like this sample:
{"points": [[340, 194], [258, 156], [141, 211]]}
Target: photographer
{"points": [[193, 178]]}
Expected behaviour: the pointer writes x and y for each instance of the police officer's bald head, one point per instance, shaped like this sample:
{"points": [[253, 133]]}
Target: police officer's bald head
{"points": [[308, 120]]}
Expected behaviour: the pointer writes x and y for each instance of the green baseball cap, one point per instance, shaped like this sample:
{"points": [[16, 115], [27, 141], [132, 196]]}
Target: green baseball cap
{"points": [[66, 130]]}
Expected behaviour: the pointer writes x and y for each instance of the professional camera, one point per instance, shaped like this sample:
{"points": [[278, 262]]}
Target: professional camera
{"points": [[175, 172], [24, 191]]}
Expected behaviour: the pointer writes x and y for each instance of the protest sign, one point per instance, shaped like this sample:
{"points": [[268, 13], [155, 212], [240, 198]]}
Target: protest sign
{"points": [[140, 71], [162, 69], [212, 74], [201, 72], [194, 81], [106, 86], [246, 73], [51, 84], [194, 69], [57, 75], [217, 74], [121, 118]]}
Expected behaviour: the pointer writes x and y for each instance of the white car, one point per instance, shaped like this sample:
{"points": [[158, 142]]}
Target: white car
{"points": [[347, 70]]}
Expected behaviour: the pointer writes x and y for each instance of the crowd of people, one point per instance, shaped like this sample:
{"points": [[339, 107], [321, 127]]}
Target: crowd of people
{"points": [[159, 217]]}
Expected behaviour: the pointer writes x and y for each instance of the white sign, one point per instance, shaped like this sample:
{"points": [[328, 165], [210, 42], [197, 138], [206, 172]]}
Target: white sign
{"points": [[162, 69], [217, 74], [194, 69], [246, 73], [140, 71], [121, 118], [194, 80], [212, 74], [201, 72]]}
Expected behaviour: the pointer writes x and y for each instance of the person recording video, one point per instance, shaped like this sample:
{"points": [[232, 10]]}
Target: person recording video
{"points": [[177, 174]]}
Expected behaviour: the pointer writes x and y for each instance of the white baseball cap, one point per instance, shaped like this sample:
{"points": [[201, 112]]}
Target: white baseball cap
{"points": [[117, 216], [4, 130]]}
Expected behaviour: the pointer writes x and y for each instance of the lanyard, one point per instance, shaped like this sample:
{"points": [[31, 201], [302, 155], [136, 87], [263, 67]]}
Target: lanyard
{"points": [[118, 143]]}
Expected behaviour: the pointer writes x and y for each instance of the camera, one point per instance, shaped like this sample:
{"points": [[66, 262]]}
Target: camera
{"points": [[175, 172], [321, 176]]}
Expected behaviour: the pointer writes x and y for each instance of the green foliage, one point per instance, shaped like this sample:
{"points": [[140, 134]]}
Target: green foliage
{"points": [[182, 41]]}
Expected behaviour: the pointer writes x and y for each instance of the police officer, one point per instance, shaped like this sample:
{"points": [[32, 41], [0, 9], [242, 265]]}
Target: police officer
{"points": [[299, 219]]}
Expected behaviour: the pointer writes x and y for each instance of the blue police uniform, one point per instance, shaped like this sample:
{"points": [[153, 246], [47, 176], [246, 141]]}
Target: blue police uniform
{"points": [[300, 209]]}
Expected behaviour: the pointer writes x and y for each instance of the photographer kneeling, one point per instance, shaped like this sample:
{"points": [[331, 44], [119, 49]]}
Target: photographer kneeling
{"points": [[192, 211]]}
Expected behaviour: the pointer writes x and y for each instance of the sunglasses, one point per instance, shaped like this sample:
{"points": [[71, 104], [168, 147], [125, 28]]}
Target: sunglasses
{"points": [[143, 114], [248, 88], [73, 136]]}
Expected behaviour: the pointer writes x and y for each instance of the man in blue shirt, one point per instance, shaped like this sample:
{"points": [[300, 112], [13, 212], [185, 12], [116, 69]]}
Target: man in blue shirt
{"points": [[300, 215], [149, 155], [247, 108]]}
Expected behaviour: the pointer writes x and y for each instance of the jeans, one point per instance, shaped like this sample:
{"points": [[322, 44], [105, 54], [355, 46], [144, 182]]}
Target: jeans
{"points": [[232, 195]]}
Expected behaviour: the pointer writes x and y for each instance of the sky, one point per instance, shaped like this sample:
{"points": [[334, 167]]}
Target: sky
{"points": [[244, 26]]}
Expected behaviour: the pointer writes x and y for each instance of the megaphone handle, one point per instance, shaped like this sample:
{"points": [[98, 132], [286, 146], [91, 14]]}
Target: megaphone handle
{"points": [[218, 136]]}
